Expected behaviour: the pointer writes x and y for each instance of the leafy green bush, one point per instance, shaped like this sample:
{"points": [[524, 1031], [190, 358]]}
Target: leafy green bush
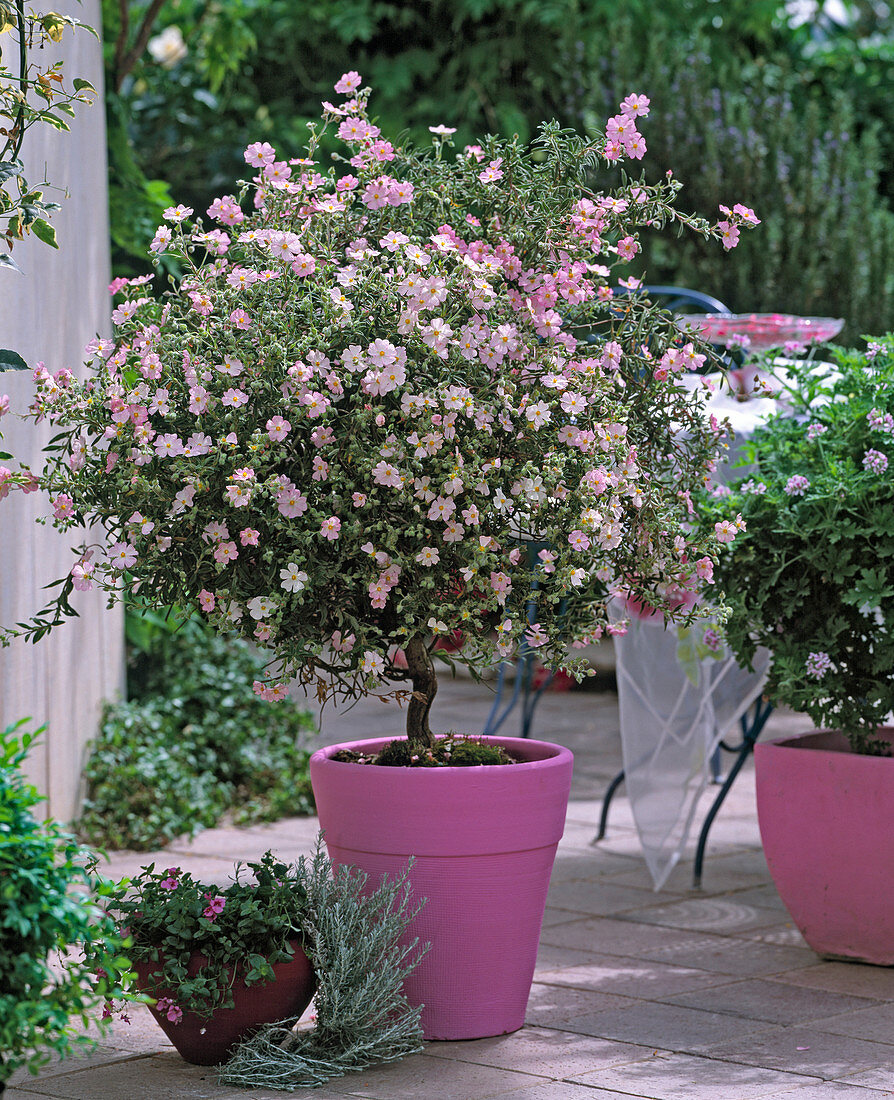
{"points": [[810, 576], [758, 133], [796, 122], [255, 70], [41, 914], [192, 743]]}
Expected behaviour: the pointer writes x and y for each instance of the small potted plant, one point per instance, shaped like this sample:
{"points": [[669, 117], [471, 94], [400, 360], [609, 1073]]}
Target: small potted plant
{"points": [[376, 384], [44, 921], [811, 579], [217, 962]]}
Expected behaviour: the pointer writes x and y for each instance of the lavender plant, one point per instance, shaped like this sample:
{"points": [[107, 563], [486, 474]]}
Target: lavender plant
{"points": [[373, 387], [357, 944]]}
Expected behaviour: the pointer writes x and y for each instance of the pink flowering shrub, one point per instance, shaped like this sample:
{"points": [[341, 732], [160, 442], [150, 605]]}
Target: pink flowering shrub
{"points": [[374, 385], [811, 576]]}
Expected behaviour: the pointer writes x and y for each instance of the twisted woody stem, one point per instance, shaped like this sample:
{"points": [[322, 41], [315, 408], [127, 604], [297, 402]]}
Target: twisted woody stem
{"points": [[425, 687]]}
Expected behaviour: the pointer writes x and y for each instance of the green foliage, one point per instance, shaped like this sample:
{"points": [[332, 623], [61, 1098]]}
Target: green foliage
{"points": [[355, 937], [192, 743], [805, 157], [136, 203], [11, 360], [858, 60], [452, 750], [169, 916], [796, 122], [812, 575], [31, 93], [43, 873]]}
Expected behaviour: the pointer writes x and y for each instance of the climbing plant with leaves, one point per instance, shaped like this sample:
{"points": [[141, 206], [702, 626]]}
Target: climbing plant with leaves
{"points": [[31, 93]]}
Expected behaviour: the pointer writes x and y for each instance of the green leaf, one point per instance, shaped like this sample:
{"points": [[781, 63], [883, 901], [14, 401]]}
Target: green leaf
{"points": [[7, 261], [44, 232], [10, 168], [11, 360], [79, 85]]}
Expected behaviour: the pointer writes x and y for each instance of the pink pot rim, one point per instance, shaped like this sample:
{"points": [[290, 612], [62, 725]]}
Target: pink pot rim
{"points": [[552, 755], [822, 740], [459, 812]]}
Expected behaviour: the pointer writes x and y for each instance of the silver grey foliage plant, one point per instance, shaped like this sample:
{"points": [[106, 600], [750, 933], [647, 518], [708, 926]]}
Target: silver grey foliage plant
{"points": [[354, 938]]}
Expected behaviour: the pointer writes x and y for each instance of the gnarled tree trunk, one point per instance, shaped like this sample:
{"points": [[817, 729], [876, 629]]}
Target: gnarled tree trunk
{"points": [[425, 687]]}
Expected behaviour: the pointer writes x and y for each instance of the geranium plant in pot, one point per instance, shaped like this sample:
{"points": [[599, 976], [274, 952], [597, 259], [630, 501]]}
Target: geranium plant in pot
{"points": [[375, 384], [216, 962], [811, 579]]}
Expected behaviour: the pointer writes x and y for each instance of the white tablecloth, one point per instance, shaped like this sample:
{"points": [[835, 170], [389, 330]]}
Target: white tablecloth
{"points": [[670, 725]]}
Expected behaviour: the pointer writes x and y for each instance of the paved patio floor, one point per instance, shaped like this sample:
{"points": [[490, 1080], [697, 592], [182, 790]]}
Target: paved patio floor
{"points": [[678, 995]]}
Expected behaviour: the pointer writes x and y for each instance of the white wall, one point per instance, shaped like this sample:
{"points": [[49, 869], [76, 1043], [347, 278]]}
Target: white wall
{"points": [[49, 314]]}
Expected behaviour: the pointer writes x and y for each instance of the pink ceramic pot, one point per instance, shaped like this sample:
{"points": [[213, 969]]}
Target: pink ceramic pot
{"points": [[827, 825], [206, 1042], [484, 841]]}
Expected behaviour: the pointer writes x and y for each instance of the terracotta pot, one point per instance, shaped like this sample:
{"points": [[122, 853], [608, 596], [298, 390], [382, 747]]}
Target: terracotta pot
{"points": [[484, 840], [206, 1042], [827, 825]]}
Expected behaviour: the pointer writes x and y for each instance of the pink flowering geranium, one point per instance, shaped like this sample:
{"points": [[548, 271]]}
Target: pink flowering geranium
{"points": [[810, 576], [424, 368]]}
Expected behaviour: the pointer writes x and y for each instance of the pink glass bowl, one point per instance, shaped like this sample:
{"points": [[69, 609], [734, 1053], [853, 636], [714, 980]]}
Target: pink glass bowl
{"points": [[762, 330]]}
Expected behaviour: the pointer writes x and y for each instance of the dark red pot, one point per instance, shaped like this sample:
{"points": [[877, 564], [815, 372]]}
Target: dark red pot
{"points": [[206, 1042]]}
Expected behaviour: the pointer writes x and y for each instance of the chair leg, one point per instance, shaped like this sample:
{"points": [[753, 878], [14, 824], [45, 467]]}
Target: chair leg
{"points": [[750, 733], [606, 802]]}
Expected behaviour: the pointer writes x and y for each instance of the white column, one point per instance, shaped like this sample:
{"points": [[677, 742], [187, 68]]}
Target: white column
{"points": [[49, 314]]}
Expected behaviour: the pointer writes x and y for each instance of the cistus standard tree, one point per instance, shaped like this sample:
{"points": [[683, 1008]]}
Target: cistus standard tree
{"points": [[376, 384]]}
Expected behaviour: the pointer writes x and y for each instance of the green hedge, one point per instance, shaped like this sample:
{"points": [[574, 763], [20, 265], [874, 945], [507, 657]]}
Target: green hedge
{"points": [[192, 744]]}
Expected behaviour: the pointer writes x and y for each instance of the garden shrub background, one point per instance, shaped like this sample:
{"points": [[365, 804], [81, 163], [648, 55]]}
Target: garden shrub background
{"points": [[795, 121], [192, 743]]}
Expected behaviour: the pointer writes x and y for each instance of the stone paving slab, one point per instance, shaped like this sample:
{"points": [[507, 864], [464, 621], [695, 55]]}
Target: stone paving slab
{"points": [[782, 1003], [841, 977], [665, 1027], [543, 1052], [424, 1077], [875, 1022], [158, 1076], [681, 994], [879, 1079], [637, 978], [704, 914], [782, 935], [828, 1090], [692, 1077], [613, 936], [808, 1050]]}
